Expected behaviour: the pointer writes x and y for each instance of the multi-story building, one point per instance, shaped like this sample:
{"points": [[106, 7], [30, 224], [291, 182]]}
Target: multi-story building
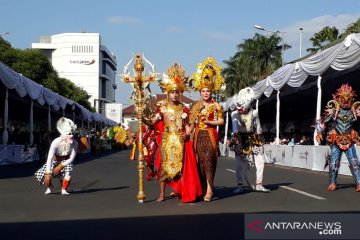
{"points": [[81, 58]]}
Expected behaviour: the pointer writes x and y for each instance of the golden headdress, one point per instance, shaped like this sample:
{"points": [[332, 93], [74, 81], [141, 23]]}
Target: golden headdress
{"points": [[208, 75], [174, 80]]}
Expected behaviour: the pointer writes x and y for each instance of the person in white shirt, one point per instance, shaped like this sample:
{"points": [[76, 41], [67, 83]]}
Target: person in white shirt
{"points": [[60, 159]]}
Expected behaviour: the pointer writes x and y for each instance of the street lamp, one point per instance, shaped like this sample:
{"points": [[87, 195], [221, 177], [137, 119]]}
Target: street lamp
{"points": [[300, 36], [275, 32], [259, 27]]}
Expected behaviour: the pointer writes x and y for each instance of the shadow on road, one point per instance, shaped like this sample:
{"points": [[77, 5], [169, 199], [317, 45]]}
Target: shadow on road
{"points": [[19, 170], [222, 192], [343, 186], [91, 190], [29, 169], [276, 186]]}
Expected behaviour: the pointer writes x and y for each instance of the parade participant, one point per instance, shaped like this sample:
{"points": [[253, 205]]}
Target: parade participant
{"points": [[150, 140], [242, 168], [246, 123], [205, 116], [61, 154], [340, 116], [175, 161], [150, 137]]}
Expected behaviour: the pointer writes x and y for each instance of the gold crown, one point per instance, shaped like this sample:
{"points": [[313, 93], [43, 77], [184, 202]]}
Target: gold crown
{"points": [[208, 75], [175, 80]]}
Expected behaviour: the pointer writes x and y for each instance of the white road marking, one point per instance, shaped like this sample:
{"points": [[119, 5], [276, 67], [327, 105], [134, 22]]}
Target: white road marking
{"points": [[304, 193], [292, 189]]}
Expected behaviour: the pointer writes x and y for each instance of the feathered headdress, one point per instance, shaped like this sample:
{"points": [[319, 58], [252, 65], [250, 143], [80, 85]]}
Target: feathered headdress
{"points": [[208, 75], [174, 80]]}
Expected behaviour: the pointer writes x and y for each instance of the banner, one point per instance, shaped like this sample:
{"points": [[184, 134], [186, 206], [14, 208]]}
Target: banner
{"points": [[270, 152], [303, 157]]}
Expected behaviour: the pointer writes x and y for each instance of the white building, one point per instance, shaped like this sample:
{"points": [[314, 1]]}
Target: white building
{"points": [[81, 58]]}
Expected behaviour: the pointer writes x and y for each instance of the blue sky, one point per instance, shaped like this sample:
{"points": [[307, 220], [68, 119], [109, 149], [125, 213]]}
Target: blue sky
{"points": [[166, 31]]}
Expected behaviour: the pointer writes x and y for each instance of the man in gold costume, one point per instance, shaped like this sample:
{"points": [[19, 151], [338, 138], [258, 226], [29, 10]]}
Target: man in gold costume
{"points": [[175, 159]]}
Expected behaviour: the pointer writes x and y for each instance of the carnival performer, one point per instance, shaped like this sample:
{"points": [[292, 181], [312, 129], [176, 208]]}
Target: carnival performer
{"points": [[340, 116], [246, 123], [205, 116], [151, 140], [242, 166], [61, 154], [175, 159]]}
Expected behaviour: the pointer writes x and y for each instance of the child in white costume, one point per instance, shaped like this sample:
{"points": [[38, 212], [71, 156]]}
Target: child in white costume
{"points": [[62, 153]]}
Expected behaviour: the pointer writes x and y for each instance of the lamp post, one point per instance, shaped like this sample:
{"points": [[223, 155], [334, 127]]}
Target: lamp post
{"points": [[300, 36], [282, 40], [139, 82]]}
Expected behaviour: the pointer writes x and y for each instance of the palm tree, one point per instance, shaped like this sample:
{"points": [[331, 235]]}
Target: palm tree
{"points": [[352, 28], [322, 38], [236, 74], [255, 59]]}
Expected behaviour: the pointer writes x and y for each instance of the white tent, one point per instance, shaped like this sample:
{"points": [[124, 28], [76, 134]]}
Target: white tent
{"points": [[339, 57], [36, 92]]}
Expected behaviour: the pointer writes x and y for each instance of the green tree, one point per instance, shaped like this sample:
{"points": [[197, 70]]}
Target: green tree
{"points": [[323, 37], [255, 59], [75, 93], [33, 64], [52, 82], [8, 55], [351, 28]]}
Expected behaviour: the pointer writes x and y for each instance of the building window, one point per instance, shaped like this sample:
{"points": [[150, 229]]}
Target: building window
{"points": [[103, 88], [103, 68]]}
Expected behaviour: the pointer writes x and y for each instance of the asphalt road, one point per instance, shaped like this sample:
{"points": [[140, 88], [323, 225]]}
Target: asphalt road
{"points": [[103, 202]]}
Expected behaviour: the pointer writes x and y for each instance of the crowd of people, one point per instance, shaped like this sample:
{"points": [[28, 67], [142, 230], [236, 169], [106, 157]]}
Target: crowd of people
{"points": [[291, 138], [181, 145]]}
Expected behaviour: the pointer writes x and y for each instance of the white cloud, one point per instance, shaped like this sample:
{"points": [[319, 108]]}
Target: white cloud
{"points": [[174, 29], [311, 26], [123, 20]]}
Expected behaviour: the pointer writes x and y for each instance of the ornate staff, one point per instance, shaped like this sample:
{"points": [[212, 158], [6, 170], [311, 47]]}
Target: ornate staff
{"points": [[139, 83]]}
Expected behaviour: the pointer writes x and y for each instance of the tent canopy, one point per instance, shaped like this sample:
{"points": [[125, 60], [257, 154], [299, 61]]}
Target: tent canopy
{"points": [[26, 87], [342, 56]]}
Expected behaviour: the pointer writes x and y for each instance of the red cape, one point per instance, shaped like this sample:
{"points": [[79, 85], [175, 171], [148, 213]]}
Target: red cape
{"points": [[188, 186]]}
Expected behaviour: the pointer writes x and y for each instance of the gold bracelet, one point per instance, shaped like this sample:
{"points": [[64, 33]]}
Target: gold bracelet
{"points": [[47, 174]]}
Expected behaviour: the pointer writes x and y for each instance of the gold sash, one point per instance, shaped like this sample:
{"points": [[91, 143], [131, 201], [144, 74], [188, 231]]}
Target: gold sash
{"points": [[172, 150]]}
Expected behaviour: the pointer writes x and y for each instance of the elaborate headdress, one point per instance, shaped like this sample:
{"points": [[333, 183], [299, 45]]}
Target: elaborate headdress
{"points": [[345, 96], [208, 75], [65, 126], [174, 80]]}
